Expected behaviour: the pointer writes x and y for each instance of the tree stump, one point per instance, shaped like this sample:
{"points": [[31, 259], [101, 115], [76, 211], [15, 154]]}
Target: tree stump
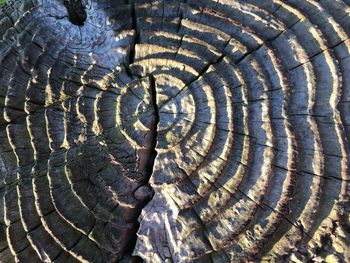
{"points": [[175, 131]]}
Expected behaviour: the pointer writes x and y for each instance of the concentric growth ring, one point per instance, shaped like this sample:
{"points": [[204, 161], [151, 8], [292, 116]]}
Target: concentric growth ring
{"points": [[175, 131]]}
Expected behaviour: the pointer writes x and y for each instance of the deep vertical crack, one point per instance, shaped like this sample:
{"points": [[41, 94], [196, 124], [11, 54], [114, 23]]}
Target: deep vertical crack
{"points": [[136, 40], [154, 129], [145, 191]]}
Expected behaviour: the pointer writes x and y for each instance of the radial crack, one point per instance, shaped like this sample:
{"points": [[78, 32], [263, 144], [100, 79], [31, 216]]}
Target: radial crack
{"points": [[145, 192]]}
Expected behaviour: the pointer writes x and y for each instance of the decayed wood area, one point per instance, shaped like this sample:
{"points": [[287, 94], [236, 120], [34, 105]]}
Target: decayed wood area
{"points": [[175, 131]]}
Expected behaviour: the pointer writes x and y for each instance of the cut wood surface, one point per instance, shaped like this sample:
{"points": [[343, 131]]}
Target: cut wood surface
{"points": [[175, 131]]}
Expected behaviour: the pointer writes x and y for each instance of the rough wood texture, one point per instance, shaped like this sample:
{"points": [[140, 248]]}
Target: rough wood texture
{"points": [[176, 131]]}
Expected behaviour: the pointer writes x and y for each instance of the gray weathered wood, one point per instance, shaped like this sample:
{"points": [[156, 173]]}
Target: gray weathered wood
{"points": [[175, 131]]}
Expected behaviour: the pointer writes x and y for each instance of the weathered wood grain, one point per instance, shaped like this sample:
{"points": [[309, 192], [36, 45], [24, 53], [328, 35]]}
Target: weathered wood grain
{"points": [[175, 131]]}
